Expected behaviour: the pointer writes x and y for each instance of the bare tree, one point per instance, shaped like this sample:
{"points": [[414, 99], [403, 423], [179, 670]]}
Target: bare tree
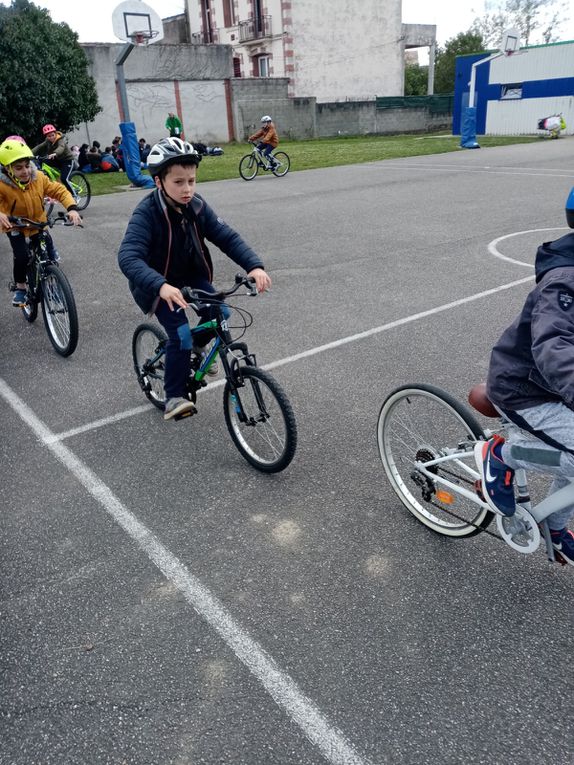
{"points": [[536, 20]]}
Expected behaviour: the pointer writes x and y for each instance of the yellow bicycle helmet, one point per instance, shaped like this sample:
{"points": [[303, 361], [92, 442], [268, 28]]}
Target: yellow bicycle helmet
{"points": [[12, 151]]}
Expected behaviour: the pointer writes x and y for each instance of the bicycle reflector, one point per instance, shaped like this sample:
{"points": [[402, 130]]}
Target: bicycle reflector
{"points": [[444, 496]]}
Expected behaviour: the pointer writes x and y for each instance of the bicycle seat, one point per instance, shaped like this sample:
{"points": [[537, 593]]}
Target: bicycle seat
{"points": [[478, 399]]}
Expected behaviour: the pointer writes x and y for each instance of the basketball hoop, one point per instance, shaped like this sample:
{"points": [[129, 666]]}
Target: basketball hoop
{"points": [[143, 36]]}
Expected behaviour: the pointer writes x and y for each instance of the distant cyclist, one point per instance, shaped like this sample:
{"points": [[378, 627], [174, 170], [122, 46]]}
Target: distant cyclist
{"points": [[57, 153], [267, 137]]}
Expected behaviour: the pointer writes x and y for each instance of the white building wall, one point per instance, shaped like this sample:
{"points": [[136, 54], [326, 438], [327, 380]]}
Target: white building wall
{"points": [[521, 117], [346, 51], [333, 50], [538, 64], [544, 63]]}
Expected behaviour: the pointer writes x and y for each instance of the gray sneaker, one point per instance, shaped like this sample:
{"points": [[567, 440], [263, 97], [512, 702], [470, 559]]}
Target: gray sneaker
{"points": [[178, 407]]}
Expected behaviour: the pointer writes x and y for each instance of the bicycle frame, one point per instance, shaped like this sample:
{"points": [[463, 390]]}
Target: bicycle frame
{"points": [[556, 501]]}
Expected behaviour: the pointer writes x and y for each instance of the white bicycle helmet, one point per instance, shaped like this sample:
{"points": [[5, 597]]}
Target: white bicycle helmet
{"points": [[170, 151], [266, 118]]}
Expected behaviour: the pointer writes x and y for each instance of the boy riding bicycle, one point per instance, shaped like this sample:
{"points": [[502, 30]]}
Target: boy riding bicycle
{"points": [[268, 139], [22, 192], [164, 249], [531, 382]]}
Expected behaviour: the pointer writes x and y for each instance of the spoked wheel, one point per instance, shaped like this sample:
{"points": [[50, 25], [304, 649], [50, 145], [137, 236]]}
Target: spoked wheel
{"points": [[248, 167], [418, 423], [148, 351], [284, 164], [59, 310], [82, 190], [260, 421]]}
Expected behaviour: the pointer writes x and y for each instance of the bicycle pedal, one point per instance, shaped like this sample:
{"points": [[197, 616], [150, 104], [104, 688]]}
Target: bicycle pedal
{"points": [[478, 490], [189, 413]]}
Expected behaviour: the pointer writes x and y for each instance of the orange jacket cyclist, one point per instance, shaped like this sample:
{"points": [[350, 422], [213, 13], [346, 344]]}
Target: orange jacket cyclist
{"points": [[267, 137], [22, 192]]}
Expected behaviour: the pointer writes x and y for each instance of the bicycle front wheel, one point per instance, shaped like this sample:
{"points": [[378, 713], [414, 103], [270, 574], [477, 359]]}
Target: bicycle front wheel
{"points": [[419, 423], [82, 190], [148, 351], [59, 311], [260, 420], [284, 164], [248, 167], [30, 308]]}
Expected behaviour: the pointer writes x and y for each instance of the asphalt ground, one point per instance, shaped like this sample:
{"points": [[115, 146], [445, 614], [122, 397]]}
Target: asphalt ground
{"points": [[163, 602]]}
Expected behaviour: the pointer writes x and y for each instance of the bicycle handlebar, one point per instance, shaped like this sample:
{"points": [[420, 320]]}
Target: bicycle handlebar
{"points": [[19, 221], [192, 295]]}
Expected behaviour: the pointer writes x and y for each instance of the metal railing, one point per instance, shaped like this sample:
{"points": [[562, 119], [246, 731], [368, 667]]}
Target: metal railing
{"points": [[254, 29]]}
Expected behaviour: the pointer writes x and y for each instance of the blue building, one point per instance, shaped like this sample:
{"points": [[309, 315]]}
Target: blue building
{"points": [[513, 92]]}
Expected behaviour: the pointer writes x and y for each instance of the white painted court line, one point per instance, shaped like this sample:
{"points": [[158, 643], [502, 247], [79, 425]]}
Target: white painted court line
{"points": [[477, 169], [280, 686], [493, 246], [306, 354]]}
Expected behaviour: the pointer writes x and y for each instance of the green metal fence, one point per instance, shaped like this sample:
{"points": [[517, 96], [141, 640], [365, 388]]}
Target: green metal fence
{"points": [[434, 104]]}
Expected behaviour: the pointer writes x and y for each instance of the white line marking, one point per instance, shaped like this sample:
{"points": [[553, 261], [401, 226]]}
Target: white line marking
{"points": [[280, 686], [397, 323], [312, 352], [493, 249], [473, 169]]}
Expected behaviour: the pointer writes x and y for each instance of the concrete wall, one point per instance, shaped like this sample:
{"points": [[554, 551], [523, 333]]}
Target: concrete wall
{"points": [[194, 81], [186, 79]]}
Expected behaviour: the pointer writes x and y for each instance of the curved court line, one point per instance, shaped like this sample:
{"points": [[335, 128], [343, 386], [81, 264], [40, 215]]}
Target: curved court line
{"points": [[494, 251]]}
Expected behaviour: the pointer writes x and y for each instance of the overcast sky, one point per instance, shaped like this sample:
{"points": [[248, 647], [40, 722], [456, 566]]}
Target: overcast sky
{"points": [[93, 21]]}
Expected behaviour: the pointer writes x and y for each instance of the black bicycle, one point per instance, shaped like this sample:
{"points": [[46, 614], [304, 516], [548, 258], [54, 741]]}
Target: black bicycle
{"points": [[250, 164], [47, 285], [257, 412]]}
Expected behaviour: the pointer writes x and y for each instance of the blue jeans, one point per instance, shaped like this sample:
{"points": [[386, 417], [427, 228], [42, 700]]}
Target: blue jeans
{"points": [[180, 341], [265, 148], [549, 450]]}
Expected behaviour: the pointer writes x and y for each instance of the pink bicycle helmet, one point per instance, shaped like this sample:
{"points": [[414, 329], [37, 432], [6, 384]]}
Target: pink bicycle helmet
{"points": [[15, 138], [48, 129]]}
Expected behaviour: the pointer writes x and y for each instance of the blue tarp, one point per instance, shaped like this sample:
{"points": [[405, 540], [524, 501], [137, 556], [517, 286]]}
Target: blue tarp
{"points": [[468, 129], [131, 154]]}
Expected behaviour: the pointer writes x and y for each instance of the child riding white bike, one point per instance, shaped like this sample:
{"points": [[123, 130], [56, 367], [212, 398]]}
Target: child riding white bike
{"points": [[267, 137], [531, 382]]}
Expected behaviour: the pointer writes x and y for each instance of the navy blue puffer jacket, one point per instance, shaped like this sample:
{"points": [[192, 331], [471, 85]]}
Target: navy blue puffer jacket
{"points": [[146, 249]]}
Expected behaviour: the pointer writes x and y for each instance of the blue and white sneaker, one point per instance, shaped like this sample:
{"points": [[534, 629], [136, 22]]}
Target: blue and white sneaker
{"points": [[19, 298], [563, 543], [496, 476]]}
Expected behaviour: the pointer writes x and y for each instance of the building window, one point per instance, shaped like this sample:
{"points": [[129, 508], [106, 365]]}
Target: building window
{"points": [[510, 91], [262, 66], [237, 67], [228, 13]]}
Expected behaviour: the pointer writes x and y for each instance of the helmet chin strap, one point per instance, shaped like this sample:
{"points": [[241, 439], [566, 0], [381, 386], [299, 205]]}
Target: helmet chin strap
{"points": [[21, 184]]}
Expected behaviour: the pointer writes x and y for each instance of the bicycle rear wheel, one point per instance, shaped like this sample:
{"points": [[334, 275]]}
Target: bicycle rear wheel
{"points": [[418, 423], [82, 190], [284, 164], [148, 351], [248, 167], [260, 420], [59, 311]]}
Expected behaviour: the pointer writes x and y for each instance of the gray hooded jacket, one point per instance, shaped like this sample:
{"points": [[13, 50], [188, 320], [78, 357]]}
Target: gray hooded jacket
{"points": [[533, 362]]}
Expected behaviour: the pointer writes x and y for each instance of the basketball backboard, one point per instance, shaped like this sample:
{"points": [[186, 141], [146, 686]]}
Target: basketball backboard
{"points": [[510, 42], [134, 21]]}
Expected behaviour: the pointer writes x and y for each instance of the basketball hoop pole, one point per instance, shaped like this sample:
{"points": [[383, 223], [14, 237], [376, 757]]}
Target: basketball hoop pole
{"points": [[124, 53]]}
